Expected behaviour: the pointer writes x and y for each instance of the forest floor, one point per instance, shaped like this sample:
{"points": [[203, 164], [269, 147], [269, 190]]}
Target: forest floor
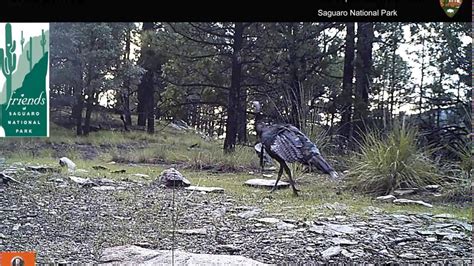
{"points": [[66, 222]]}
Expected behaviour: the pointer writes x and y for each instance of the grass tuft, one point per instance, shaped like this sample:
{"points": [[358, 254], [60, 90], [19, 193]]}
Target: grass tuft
{"points": [[386, 163]]}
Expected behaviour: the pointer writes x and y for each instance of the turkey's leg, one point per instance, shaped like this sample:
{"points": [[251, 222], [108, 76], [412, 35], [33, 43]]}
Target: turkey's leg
{"points": [[292, 183], [280, 173]]}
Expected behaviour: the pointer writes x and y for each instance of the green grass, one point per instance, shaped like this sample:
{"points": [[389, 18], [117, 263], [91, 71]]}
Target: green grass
{"points": [[386, 163], [141, 153], [318, 197]]}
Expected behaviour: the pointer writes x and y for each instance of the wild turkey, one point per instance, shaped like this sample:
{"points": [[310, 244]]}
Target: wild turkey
{"points": [[287, 144]]}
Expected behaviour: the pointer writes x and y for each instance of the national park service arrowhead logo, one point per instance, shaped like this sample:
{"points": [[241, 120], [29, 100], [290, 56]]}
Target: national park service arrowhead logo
{"points": [[450, 7], [24, 79]]}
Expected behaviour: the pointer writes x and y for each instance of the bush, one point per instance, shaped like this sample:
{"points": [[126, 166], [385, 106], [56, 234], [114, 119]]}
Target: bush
{"points": [[390, 162]]}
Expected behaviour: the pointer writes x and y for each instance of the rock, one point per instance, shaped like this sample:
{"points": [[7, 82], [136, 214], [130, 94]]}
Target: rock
{"points": [[64, 161], [99, 167], [449, 234], [132, 255], [402, 192], [464, 225], [285, 226], [347, 254], [42, 169], [105, 188], [432, 187], [206, 189], [141, 175], [341, 228], [330, 252], [2, 236], [266, 183], [444, 216], [6, 178], [342, 241], [82, 181], [16, 227], [219, 212], [431, 239], [269, 220], [417, 202], [172, 178], [199, 231], [249, 214], [387, 198], [425, 233], [408, 255], [318, 229]]}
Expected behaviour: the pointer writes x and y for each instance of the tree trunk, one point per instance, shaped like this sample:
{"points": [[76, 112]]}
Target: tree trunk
{"points": [[234, 92], [126, 84], [77, 111], [365, 35], [242, 127], [144, 85], [420, 103], [346, 96], [87, 119]]}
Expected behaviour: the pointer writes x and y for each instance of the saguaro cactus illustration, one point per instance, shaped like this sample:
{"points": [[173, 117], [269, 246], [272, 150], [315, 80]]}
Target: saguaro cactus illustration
{"points": [[8, 58], [43, 40], [22, 41], [29, 54]]}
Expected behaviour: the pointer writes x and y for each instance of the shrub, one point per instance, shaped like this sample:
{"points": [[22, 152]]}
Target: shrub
{"points": [[393, 161]]}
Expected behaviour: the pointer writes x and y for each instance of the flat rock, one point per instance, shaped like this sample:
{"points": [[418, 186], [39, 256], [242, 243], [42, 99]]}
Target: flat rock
{"points": [[249, 214], [408, 255], [133, 255], [266, 183], [425, 232], [444, 216], [82, 181], [342, 241], [387, 198], [269, 220], [330, 252], [42, 169], [206, 189], [416, 202], [105, 188], [432, 187], [285, 226], [341, 228]]}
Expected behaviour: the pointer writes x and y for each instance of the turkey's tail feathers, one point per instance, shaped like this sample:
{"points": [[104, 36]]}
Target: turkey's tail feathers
{"points": [[319, 162]]}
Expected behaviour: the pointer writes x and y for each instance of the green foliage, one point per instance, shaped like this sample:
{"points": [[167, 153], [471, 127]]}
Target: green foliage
{"points": [[43, 41], [386, 163], [29, 54], [8, 63]]}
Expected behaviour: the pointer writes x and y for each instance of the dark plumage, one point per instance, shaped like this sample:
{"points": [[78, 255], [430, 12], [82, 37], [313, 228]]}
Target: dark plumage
{"points": [[287, 144]]}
